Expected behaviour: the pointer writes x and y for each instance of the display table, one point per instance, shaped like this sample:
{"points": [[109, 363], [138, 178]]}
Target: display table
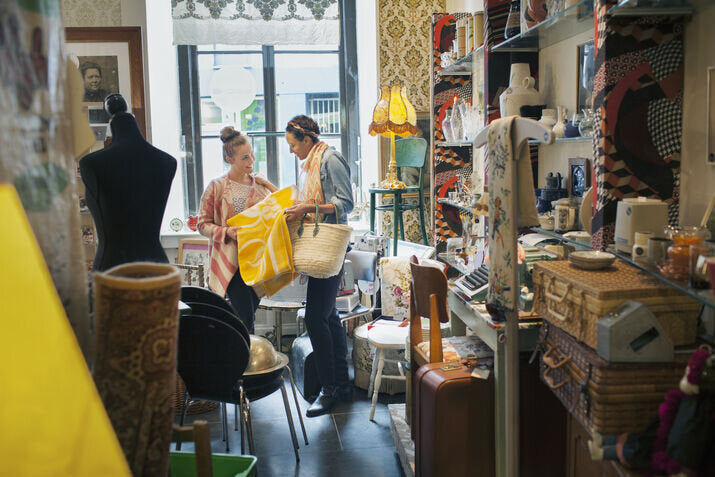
{"points": [[466, 314], [278, 308]]}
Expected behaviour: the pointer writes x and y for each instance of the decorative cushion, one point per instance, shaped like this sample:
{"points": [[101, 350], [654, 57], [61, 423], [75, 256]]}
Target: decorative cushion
{"points": [[395, 286]]}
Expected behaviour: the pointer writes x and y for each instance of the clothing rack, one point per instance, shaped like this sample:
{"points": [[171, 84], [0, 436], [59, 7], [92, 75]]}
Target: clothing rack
{"points": [[522, 129]]}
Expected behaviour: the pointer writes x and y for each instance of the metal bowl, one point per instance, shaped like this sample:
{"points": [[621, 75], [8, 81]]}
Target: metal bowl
{"points": [[264, 358]]}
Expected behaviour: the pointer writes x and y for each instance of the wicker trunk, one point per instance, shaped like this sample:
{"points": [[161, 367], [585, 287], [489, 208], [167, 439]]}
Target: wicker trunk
{"points": [[574, 299], [137, 311], [609, 398]]}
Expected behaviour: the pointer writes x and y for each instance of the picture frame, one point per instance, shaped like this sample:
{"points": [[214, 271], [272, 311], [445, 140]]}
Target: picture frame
{"points": [[111, 61], [708, 220], [585, 74], [579, 176], [194, 251]]}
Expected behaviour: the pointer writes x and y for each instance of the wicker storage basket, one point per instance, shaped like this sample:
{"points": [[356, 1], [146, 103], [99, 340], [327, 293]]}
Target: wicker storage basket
{"points": [[609, 398], [575, 299], [319, 249]]}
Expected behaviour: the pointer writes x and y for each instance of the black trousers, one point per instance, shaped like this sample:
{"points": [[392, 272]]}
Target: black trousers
{"points": [[326, 333], [244, 300]]}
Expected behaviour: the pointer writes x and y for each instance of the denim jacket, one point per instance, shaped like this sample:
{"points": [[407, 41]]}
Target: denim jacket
{"points": [[335, 182]]}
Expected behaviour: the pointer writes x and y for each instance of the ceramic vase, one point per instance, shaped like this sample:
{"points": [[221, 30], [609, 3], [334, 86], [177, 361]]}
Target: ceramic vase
{"points": [[560, 125], [513, 21], [136, 312], [548, 118], [521, 91]]}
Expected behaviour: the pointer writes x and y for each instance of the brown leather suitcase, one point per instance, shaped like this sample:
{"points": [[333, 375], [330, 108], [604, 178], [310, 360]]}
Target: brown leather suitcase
{"points": [[454, 422]]}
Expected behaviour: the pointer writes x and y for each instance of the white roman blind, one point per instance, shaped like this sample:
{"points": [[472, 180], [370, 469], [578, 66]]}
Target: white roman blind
{"points": [[255, 22]]}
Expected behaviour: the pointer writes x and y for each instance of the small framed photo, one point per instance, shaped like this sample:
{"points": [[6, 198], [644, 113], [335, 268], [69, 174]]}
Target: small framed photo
{"points": [[87, 235], [194, 251], [579, 176]]}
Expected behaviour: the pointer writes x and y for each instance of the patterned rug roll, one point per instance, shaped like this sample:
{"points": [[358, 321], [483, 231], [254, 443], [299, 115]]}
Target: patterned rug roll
{"points": [[136, 310]]}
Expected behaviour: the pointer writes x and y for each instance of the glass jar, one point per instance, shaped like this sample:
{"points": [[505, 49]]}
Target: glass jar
{"points": [[587, 124], [447, 130], [677, 267]]}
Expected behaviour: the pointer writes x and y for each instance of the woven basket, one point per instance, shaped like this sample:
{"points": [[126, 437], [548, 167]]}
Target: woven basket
{"points": [[574, 299], [195, 407], [609, 398], [319, 249]]}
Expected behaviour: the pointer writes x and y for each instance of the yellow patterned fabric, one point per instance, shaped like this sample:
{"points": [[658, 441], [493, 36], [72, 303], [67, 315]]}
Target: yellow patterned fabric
{"points": [[265, 255], [53, 421]]}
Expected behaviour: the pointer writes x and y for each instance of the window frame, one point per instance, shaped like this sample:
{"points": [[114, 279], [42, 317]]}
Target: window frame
{"points": [[190, 105]]}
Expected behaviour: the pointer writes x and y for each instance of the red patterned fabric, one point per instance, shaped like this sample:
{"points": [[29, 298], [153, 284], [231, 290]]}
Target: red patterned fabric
{"points": [[638, 88]]}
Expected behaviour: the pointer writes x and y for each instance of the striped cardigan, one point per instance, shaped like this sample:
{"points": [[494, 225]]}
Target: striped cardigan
{"points": [[216, 208]]}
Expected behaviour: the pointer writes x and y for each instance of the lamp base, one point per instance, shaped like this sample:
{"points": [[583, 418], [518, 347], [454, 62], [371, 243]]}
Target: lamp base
{"points": [[391, 182]]}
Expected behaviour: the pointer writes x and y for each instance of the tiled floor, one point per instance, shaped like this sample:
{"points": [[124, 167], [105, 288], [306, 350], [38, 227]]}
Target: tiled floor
{"points": [[343, 443]]}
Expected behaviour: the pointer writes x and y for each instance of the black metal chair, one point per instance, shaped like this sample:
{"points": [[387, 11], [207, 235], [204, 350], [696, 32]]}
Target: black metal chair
{"points": [[221, 314], [212, 357], [204, 295]]}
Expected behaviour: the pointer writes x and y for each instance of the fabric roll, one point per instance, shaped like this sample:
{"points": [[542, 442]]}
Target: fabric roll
{"points": [[136, 310]]}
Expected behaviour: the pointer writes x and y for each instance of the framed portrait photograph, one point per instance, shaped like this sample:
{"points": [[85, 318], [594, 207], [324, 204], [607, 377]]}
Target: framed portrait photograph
{"points": [[579, 176], [110, 61]]}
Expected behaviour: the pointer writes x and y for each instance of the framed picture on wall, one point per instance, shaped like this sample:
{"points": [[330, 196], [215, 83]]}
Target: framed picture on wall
{"points": [[579, 176], [110, 60], [586, 58], [194, 251]]}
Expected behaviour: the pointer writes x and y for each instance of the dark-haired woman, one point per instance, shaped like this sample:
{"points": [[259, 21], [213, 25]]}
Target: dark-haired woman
{"points": [[325, 178], [225, 197]]}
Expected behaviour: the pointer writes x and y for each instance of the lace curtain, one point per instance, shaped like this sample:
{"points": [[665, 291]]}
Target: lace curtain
{"points": [[255, 22]]}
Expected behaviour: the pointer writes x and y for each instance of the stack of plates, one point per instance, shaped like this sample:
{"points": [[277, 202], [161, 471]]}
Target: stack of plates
{"points": [[591, 259]]}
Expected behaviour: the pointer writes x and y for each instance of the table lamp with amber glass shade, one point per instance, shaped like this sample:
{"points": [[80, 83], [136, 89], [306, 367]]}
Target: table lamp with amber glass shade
{"points": [[393, 115]]}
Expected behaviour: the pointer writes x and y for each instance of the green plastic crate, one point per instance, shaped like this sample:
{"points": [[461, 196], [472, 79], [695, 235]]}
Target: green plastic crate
{"points": [[183, 464]]}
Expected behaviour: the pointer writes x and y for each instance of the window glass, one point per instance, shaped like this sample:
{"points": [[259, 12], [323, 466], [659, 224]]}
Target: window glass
{"points": [[306, 84]]}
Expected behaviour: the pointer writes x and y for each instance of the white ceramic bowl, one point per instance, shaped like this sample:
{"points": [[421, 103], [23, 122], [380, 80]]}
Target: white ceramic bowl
{"points": [[591, 259]]}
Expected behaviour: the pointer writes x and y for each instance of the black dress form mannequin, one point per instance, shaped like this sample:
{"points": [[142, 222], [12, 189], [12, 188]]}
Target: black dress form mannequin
{"points": [[127, 185]]}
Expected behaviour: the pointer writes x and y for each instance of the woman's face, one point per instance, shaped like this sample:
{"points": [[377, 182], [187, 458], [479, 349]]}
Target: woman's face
{"points": [[299, 148], [242, 159]]}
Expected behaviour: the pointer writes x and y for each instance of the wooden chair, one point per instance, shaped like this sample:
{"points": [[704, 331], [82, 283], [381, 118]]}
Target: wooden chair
{"points": [[428, 298], [409, 152], [199, 433]]}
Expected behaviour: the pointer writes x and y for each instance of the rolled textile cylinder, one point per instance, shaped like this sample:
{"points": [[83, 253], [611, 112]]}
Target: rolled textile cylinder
{"points": [[136, 312]]}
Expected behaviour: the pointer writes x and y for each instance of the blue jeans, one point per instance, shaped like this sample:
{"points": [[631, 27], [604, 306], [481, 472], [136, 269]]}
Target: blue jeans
{"points": [[325, 330]]}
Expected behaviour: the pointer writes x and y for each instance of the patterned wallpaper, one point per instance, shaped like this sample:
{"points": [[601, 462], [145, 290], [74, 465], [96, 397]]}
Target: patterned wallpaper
{"points": [[86, 13], [404, 45]]}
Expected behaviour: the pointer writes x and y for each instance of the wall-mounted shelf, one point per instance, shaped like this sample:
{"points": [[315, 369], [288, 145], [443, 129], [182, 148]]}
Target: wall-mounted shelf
{"points": [[451, 260], [703, 296], [464, 208], [566, 139], [639, 8], [566, 24], [462, 66], [455, 144]]}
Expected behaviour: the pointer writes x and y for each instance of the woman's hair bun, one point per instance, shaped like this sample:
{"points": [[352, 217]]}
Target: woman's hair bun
{"points": [[228, 133]]}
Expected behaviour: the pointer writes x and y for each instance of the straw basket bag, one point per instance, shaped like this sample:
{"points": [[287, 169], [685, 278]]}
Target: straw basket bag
{"points": [[320, 252]]}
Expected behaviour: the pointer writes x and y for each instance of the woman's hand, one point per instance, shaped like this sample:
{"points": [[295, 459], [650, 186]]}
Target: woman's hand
{"points": [[298, 211], [231, 232]]}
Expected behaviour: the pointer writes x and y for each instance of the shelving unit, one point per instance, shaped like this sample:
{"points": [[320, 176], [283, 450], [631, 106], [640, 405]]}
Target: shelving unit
{"points": [[574, 20], [630, 8], [461, 66], [566, 139], [703, 296], [463, 208]]}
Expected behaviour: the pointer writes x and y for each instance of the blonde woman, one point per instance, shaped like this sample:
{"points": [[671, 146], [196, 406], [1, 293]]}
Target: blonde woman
{"points": [[325, 178], [225, 197]]}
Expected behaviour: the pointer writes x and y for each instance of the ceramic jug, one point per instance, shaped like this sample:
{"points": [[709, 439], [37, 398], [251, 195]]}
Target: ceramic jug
{"points": [[521, 91]]}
